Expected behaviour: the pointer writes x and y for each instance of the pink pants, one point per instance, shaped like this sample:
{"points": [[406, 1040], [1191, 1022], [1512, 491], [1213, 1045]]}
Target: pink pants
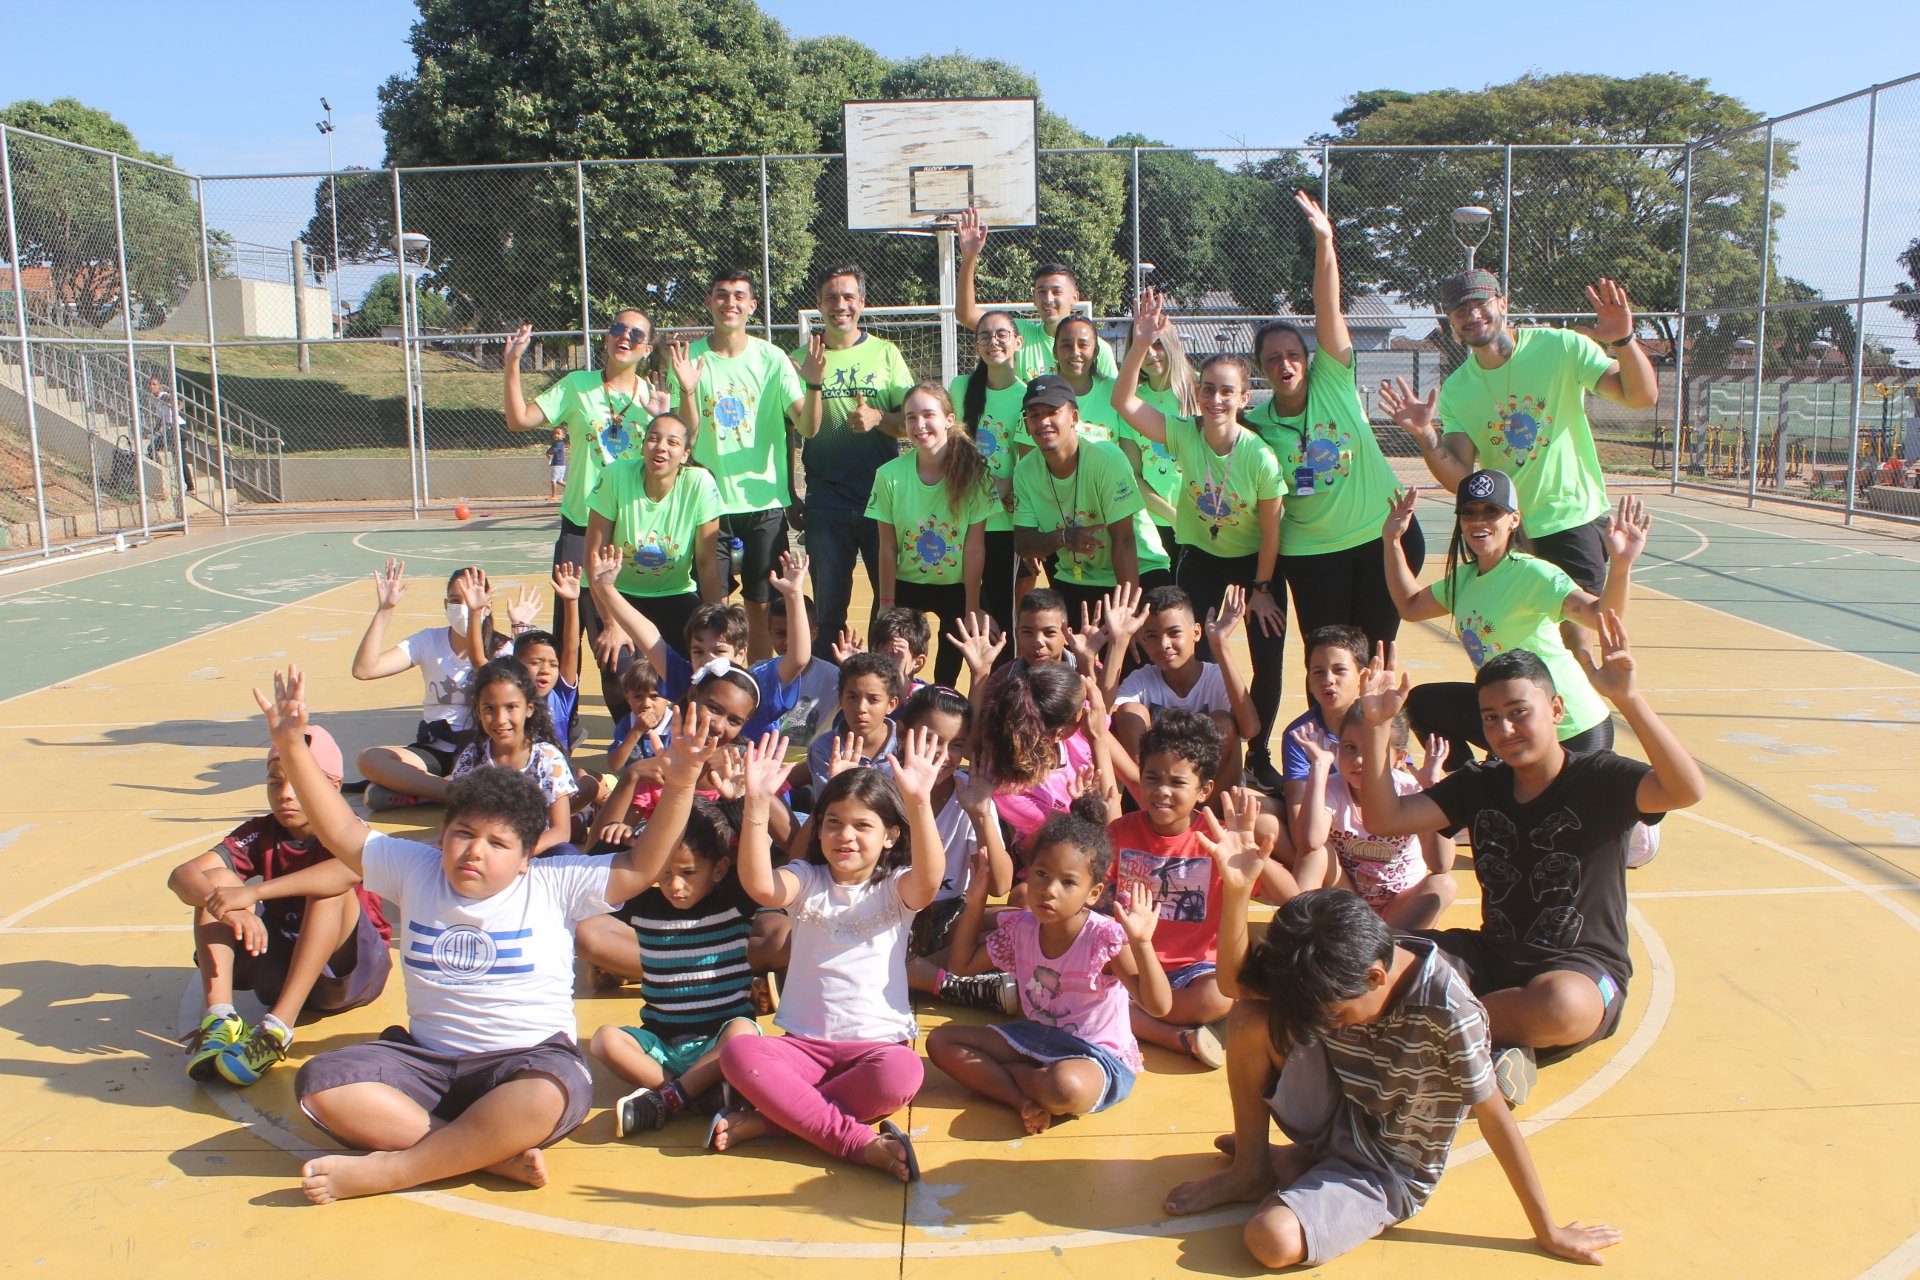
{"points": [[826, 1091]]}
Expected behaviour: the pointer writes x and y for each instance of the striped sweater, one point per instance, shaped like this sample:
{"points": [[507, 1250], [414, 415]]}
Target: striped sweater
{"points": [[694, 962]]}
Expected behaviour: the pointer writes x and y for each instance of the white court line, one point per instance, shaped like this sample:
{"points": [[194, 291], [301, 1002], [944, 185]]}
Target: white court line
{"points": [[204, 842], [1705, 542], [1874, 891], [1902, 1262], [26, 930], [270, 605]]}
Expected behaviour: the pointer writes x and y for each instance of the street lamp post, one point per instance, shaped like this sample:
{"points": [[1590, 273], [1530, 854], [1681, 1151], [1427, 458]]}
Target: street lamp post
{"points": [[414, 245], [333, 207], [1471, 222]]}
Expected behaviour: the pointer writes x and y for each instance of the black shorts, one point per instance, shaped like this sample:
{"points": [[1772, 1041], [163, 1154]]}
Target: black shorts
{"points": [[440, 743], [763, 539], [355, 973], [1580, 551], [1486, 972], [933, 925]]}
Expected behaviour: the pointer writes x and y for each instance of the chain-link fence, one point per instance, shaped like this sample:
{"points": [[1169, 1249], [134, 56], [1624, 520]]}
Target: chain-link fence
{"points": [[176, 347]]}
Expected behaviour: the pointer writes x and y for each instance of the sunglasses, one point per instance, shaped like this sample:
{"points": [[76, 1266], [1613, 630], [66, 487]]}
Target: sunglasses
{"points": [[617, 331]]}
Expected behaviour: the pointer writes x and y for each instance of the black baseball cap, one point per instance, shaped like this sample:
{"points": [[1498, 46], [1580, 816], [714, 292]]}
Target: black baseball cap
{"points": [[1049, 388], [1488, 486]]}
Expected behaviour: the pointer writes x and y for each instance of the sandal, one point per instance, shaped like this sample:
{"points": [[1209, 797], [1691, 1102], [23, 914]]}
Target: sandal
{"points": [[888, 1129]]}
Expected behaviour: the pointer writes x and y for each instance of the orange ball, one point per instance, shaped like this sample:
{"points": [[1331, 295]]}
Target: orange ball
{"points": [[462, 511]]}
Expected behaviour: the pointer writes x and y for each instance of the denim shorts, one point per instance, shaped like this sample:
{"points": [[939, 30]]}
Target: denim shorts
{"points": [[1044, 1044]]}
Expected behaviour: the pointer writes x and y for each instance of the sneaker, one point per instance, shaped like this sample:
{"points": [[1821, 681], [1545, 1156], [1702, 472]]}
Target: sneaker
{"points": [[1204, 1045], [995, 992], [247, 1061], [213, 1037], [1642, 844], [642, 1109], [1515, 1071], [379, 797], [766, 993], [1260, 774]]}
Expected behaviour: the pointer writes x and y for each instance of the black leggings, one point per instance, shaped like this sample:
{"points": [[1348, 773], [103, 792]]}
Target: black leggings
{"points": [[996, 584], [570, 547], [1205, 577], [946, 602], [1452, 710], [1350, 587]]}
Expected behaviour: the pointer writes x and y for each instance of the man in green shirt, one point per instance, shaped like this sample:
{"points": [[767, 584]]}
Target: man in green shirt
{"points": [[1518, 405], [855, 384], [1078, 499], [743, 391], [1056, 291]]}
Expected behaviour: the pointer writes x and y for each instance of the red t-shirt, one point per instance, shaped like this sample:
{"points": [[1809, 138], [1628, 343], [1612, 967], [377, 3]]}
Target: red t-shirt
{"points": [[1184, 877], [261, 847]]}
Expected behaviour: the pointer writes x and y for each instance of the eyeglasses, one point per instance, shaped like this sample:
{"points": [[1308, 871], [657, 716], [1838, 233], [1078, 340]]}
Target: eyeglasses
{"points": [[617, 331], [995, 335]]}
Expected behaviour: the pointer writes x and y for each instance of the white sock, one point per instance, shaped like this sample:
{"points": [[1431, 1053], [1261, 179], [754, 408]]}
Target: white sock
{"points": [[286, 1032], [222, 1011]]}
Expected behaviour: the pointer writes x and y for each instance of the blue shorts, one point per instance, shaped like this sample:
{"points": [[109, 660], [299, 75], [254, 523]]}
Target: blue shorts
{"points": [[1045, 1044], [1188, 974], [676, 1054]]}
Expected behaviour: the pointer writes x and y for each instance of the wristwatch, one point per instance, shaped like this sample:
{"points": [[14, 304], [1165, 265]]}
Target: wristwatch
{"points": [[1620, 343], [1264, 586]]}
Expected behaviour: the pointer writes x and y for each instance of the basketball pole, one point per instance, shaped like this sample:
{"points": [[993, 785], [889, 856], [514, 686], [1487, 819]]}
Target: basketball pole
{"points": [[949, 301]]}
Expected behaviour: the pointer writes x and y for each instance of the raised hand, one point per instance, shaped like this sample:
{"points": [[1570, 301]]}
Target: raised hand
{"points": [[1085, 782], [1626, 535], [973, 791], [846, 645], [917, 767], [1409, 412], [1123, 613], [766, 765], [517, 343], [618, 834], [694, 742], [1400, 515], [566, 582], [1317, 220], [1221, 622], [1614, 676], [609, 645], [790, 578], [980, 641], [1231, 840], [287, 709], [1149, 317], [1433, 761], [1312, 744], [1613, 313], [474, 591], [1383, 692], [729, 773], [389, 585], [1093, 709], [686, 370], [970, 232], [813, 370], [863, 416], [524, 609], [1137, 909], [606, 564], [846, 755]]}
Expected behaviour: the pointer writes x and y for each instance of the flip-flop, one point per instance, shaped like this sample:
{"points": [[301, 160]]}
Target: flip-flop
{"points": [[889, 1129], [713, 1125]]}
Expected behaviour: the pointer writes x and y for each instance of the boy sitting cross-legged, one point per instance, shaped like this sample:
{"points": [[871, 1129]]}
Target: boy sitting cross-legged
{"points": [[324, 954], [487, 1072], [1370, 1052]]}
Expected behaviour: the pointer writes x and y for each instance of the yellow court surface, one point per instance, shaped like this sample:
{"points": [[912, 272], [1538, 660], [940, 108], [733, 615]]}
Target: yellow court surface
{"points": [[1755, 1115]]}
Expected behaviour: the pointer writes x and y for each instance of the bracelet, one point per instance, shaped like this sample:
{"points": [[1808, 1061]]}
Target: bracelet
{"points": [[816, 386], [1623, 343]]}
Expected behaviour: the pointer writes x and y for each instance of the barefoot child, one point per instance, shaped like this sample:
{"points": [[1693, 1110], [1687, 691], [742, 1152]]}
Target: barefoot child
{"points": [[873, 859], [324, 954], [1074, 1054], [1369, 1052], [1408, 880], [487, 1071]]}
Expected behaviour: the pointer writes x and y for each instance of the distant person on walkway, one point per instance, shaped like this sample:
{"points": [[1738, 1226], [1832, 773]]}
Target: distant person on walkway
{"points": [[557, 464]]}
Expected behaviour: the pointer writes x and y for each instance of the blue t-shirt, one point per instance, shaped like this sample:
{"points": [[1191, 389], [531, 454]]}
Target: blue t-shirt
{"points": [[563, 703], [775, 700], [820, 754], [1293, 761], [643, 750]]}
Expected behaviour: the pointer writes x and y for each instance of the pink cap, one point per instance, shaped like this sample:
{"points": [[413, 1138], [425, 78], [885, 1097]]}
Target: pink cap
{"points": [[326, 753]]}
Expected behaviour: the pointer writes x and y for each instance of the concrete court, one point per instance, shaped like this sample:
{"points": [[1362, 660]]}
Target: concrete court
{"points": [[1754, 1115]]}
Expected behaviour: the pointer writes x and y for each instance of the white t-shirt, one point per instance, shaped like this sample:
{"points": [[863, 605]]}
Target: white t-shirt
{"points": [[484, 974], [847, 979], [957, 834], [446, 673], [1147, 686]]}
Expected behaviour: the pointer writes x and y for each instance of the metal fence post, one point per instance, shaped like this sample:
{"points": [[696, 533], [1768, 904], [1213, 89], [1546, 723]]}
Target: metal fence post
{"points": [[406, 347], [586, 304], [766, 252], [1139, 276], [1326, 185], [26, 342], [1760, 329], [1860, 307], [179, 445], [213, 360], [1506, 228], [133, 369], [1680, 334]]}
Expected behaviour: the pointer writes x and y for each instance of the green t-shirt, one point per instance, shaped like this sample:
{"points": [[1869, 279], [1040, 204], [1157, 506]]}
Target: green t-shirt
{"points": [[1219, 507], [1099, 420], [1000, 419], [1528, 418], [929, 536], [840, 461], [1353, 486], [742, 433], [1036, 352], [1157, 466], [659, 537], [599, 429], [1519, 606], [1101, 491]]}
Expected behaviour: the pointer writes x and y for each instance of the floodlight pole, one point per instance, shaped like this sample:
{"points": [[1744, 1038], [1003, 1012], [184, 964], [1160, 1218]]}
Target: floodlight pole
{"points": [[26, 341], [943, 237]]}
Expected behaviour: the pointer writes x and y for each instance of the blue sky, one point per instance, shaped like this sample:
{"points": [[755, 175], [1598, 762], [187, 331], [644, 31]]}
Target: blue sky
{"points": [[236, 88]]}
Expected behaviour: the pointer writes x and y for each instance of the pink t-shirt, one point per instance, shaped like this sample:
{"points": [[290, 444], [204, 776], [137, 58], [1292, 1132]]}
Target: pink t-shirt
{"points": [[1381, 867], [1027, 810], [1073, 991]]}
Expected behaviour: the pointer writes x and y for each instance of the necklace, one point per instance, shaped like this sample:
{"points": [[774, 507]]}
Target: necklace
{"points": [[614, 438], [1217, 486], [1502, 401], [1070, 510]]}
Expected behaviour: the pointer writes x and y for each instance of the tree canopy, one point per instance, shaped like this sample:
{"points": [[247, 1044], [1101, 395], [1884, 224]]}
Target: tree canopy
{"points": [[381, 307], [1908, 303]]}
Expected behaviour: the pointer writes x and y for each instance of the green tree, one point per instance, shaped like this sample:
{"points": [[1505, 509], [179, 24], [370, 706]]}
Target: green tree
{"points": [[1908, 302], [381, 307], [63, 203]]}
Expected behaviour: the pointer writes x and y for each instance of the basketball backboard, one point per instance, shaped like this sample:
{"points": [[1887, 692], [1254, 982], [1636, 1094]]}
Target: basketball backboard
{"points": [[916, 163]]}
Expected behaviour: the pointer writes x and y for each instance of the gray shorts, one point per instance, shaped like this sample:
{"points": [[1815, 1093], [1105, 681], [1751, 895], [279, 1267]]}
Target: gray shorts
{"points": [[446, 1084], [1350, 1194]]}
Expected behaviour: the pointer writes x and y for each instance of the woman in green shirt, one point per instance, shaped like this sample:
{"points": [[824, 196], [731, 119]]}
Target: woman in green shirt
{"points": [[1227, 520], [932, 507], [989, 401], [664, 516], [1167, 384], [1076, 349], [1339, 486], [1499, 597]]}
